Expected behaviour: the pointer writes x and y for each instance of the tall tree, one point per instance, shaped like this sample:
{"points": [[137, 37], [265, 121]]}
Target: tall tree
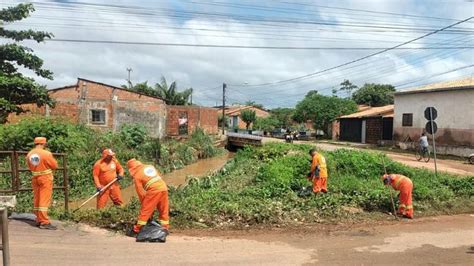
{"points": [[15, 88], [348, 87], [254, 104], [322, 110], [248, 116], [374, 94], [284, 116], [142, 88], [170, 93]]}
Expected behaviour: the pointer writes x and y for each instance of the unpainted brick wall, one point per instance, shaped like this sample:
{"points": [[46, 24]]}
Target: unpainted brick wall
{"points": [[198, 117], [374, 129]]}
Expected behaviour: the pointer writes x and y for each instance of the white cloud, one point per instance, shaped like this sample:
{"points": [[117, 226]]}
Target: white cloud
{"points": [[203, 68]]}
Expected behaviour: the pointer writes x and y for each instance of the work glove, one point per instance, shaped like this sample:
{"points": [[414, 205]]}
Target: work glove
{"points": [[98, 189], [119, 177]]}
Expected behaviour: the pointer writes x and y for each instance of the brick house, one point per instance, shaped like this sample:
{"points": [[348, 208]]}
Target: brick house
{"points": [[106, 107], [234, 118], [183, 120], [371, 125]]}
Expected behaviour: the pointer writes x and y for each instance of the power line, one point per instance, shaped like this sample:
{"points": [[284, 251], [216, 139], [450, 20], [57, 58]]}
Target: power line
{"points": [[252, 47], [361, 58]]}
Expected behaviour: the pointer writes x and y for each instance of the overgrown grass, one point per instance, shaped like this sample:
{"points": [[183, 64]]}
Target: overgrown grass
{"points": [[259, 187], [83, 146]]}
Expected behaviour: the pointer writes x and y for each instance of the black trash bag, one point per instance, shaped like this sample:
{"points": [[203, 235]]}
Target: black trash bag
{"points": [[305, 191], [23, 216], [152, 232]]}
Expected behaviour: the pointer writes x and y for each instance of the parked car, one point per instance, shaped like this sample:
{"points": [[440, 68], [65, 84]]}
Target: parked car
{"points": [[471, 158]]}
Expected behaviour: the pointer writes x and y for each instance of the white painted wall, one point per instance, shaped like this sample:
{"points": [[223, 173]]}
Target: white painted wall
{"points": [[455, 108]]}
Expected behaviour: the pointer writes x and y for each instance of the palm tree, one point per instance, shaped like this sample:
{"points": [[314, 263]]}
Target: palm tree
{"points": [[171, 95]]}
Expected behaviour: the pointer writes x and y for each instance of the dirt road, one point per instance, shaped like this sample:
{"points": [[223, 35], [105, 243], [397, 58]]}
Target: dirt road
{"points": [[450, 166], [427, 241]]}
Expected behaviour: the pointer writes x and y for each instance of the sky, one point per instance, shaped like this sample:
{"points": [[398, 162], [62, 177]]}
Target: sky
{"points": [[271, 77]]}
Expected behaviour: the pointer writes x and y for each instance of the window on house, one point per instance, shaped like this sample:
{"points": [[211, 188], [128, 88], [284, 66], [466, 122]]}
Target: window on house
{"points": [[183, 123], [407, 120], [98, 117]]}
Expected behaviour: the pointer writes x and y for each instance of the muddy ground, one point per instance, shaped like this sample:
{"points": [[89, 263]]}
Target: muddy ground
{"points": [[425, 241]]}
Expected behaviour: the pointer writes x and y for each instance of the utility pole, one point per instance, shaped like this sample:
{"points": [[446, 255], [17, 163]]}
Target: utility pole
{"points": [[191, 96], [224, 86], [129, 69]]}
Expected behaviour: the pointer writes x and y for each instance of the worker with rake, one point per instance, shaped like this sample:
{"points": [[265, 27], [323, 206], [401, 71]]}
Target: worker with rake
{"points": [[405, 186], [106, 170], [319, 173]]}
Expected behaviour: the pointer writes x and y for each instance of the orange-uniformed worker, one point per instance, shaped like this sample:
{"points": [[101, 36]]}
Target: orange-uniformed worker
{"points": [[405, 186], [152, 192], [319, 172], [41, 164], [105, 171]]}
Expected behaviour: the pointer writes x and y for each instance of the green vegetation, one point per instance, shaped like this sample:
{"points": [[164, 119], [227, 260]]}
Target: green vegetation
{"points": [[259, 187], [322, 110], [265, 123], [15, 88], [83, 146], [374, 94], [169, 94], [348, 87], [248, 116]]}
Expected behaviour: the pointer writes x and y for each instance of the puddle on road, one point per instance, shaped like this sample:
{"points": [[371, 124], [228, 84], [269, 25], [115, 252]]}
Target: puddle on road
{"points": [[176, 178], [406, 241]]}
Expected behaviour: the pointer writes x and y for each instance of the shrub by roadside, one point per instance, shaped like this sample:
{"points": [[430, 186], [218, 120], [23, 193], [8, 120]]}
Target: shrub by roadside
{"points": [[83, 146], [258, 187]]}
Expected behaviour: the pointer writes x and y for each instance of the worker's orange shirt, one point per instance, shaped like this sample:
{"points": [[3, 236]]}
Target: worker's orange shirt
{"points": [[41, 162], [147, 178], [318, 159], [399, 182], [105, 173]]}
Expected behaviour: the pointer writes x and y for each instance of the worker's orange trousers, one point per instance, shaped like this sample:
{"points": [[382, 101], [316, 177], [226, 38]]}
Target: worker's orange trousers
{"points": [[114, 193], [406, 205], [154, 200], [42, 193], [320, 184]]}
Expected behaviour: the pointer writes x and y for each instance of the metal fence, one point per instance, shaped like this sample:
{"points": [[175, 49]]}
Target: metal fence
{"points": [[16, 169]]}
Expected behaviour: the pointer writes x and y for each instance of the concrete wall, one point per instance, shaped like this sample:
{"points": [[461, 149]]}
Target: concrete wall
{"points": [[455, 118], [198, 117]]}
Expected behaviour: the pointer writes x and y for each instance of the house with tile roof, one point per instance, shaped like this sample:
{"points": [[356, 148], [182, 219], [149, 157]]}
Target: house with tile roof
{"points": [[368, 125], [454, 102], [235, 120]]}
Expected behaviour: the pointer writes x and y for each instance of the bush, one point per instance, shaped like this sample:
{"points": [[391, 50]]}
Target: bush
{"points": [[259, 186], [133, 135], [84, 145]]}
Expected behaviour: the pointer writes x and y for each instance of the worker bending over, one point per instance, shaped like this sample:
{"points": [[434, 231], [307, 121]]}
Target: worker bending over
{"points": [[106, 170], [152, 192], [405, 186], [41, 164], [319, 173]]}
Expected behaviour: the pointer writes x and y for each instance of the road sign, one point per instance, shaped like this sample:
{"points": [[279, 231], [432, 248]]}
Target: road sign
{"points": [[429, 129], [434, 113]]}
